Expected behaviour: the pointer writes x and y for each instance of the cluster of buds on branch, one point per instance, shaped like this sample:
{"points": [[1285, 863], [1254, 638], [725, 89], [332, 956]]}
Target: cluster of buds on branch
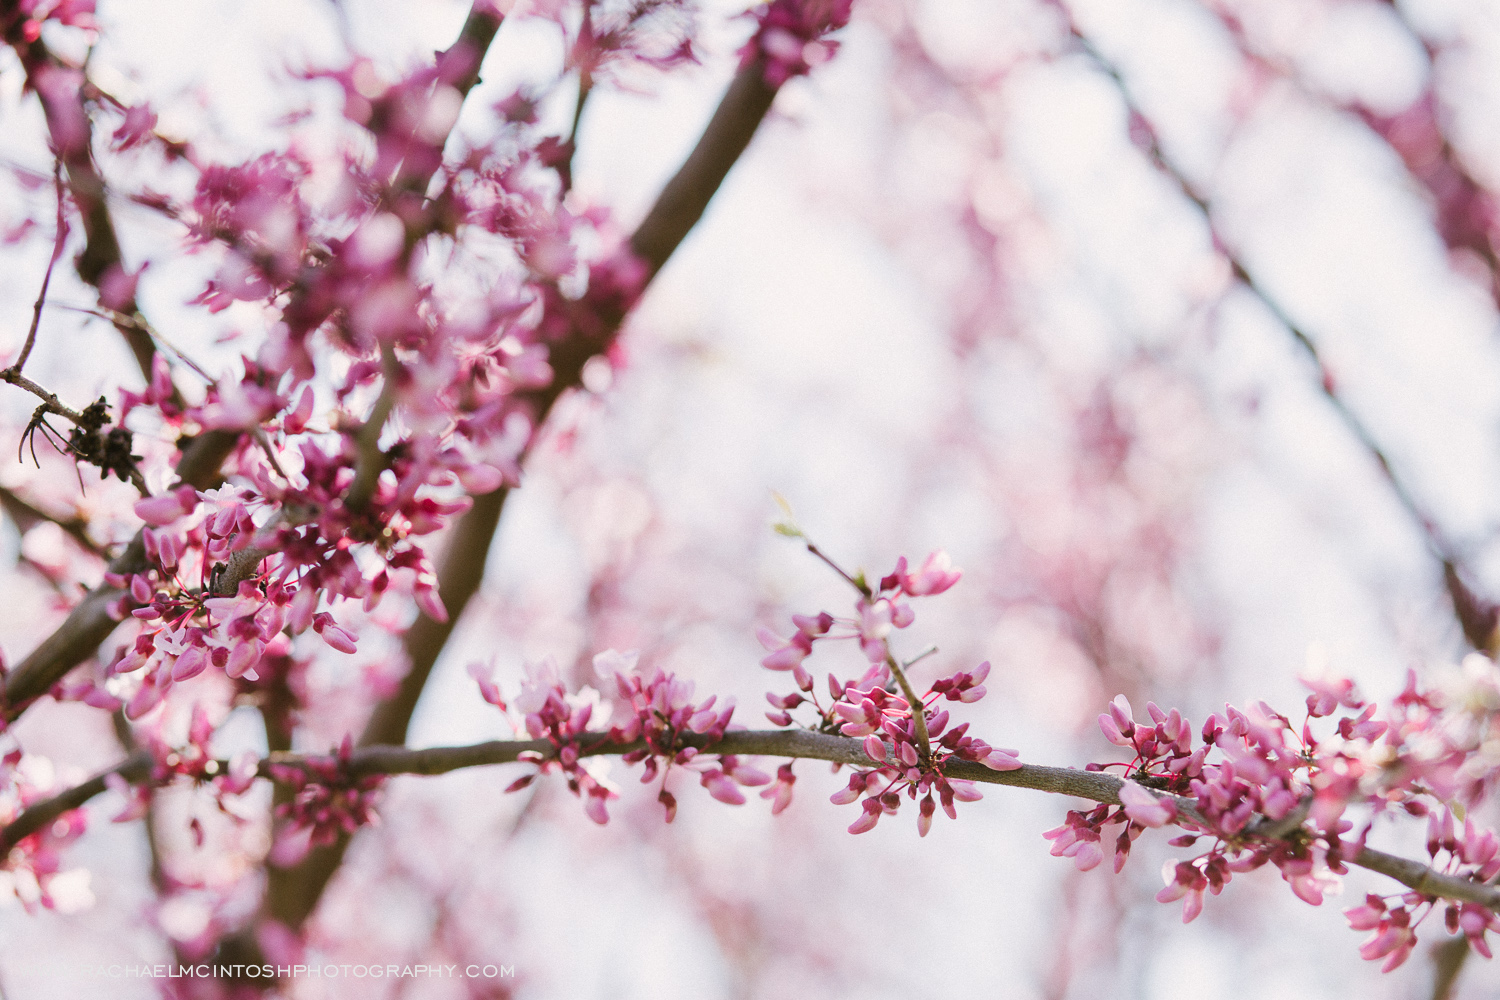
{"points": [[1262, 791], [656, 714], [328, 800], [879, 705]]}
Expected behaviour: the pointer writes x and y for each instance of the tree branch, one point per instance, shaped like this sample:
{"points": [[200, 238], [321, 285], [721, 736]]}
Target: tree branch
{"points": [[1478, 624], [686, 195], [1096, 786], [58, 242], [26, 515], [71, 131], [372, 460], [50, 402]]}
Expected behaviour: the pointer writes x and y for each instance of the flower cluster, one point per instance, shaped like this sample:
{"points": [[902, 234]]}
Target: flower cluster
{"points": [[443, 389], [328, 800], [790, 39], [1463, 850], [910, 750], [195, 760], [31, 865], [550, 712], [1263, 791], [656, 711], [1265, 775]]}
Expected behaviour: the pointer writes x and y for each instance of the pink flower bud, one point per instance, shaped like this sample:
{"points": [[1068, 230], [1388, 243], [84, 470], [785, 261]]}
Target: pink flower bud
{"points": [[243, 657], [936, 575], [1111, 730], [1145, 808], [867, 819], [844, 796], [721, 788], [1001, 760], [481, 478], [159, 510], [426, 596], [191, 663], [594, 808], [300, 617], [339, 638], [1088, 856]]}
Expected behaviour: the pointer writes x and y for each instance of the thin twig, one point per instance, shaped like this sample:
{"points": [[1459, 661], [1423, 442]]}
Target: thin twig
{"points": [[71, 130], [57, 249], [136, 321], [924, 654], [50, 402], [918, 710], [855, 582]]}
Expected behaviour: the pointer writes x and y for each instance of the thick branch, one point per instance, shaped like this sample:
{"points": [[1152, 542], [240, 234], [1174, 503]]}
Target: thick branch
{"points": [[687, 194]]}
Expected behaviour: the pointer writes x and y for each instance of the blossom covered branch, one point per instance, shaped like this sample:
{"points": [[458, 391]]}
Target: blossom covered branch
{"points": [[391, 761], [1257, 789]]}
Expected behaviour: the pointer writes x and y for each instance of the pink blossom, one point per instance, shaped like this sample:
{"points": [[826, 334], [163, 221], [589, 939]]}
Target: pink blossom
{"points": [[136, 129], [167, 508], [936, 575], [780, 793], [1145, 808]]}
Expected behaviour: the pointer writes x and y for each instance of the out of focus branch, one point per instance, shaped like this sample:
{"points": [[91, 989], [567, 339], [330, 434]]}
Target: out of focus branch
{"points": [[61, 90], [294, 893], [1448, 961], [26, 515], [134, 769], [1476, 617], [372, 461], [681, 203], [1464, 207], [1096, 786]]}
